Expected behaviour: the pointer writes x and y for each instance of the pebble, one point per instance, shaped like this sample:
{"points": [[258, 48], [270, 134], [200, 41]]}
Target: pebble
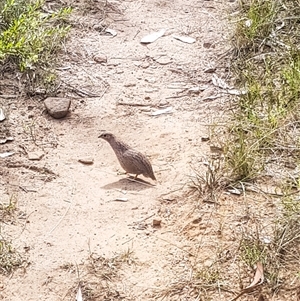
{"points": [[145, 65], [57, 107], [129, 84], [151, 90], [87, 161], [156, 222], [35, 156], [163, 60], [100, 58], [205, 138], [207, 45]]}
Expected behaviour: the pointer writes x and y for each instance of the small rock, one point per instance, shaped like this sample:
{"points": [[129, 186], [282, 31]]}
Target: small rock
{"points": [[197, 220], [100, 58], [163, 60], [205, 138], [36, 156], [87, 161], [145, 65], [156, 222], [57, 107], [210, 70], [207, 44], [129, 84]]}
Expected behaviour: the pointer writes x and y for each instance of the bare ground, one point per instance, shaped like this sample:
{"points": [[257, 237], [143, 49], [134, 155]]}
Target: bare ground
{"points": [[68, 220]]}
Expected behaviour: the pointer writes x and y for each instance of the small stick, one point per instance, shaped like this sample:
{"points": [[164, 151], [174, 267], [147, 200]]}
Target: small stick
{"points": [[176, 246], [127, 241], [121, 103], [59, 221], [146, 218]]}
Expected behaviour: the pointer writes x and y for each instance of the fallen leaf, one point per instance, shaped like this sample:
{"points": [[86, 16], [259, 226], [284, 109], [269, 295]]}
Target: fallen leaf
{"points": [[2, 141], [234, 191], [258, 279], [150, 38], [111, 32], [259, 275], [121, 200], [168, 110], [7, 154], [237, 92], [218, 82], [2, 116], [79, 295], [185, 39]]}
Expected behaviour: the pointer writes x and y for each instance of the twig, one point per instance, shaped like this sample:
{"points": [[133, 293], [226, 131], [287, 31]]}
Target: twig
{"points": [[81, 92], [245, 291], [24, 226], [127, 241], [144, 219], [120, 103], [176, 246], [178, 96], [59, 221]]}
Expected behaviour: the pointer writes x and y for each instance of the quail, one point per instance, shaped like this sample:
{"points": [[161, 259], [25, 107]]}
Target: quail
{"points": [[131, 160]]}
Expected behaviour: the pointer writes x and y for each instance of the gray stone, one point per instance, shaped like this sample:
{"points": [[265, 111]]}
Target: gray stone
{"points": [[57, 107]]}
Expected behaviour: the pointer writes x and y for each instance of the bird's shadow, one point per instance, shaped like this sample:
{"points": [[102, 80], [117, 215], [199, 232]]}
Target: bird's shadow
{"points": [[129, 183]]}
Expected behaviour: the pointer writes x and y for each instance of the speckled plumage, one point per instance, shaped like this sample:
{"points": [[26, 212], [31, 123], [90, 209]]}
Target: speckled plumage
{"points": [[131, 160]]}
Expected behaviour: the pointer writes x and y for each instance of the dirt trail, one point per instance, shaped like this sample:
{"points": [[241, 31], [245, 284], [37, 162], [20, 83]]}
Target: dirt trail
{"points": [[75, 213]]}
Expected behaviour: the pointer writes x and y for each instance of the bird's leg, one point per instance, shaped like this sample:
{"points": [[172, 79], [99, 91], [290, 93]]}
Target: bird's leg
{"points": [[135, 177]]}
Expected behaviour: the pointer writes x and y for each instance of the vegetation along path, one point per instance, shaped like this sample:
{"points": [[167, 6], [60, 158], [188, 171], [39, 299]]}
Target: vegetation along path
{"points": [[159, 76]]}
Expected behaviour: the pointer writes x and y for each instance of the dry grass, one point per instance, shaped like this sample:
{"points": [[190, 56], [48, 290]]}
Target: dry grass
{"points": [[99, 277], [260, 163], [10, 259]]}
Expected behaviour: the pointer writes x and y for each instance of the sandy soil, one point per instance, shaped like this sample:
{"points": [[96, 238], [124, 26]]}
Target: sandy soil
{"points": [[68, 210]]}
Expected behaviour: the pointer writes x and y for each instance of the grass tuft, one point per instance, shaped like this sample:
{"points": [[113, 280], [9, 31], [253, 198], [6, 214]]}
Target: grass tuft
{"points": [[30, 36], [10, 259]]}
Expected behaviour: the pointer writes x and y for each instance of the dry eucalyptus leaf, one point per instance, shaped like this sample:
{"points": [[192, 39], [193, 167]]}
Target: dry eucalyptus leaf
{"points": [[2, 116], [218, 82], [168, 110], [259, 275], [111, 32], [153, 36], [7, 154], [79, 295], [185, 39]]}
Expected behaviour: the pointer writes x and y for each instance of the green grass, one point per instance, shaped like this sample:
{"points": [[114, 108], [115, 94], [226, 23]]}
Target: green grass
{"points": [[263, 134], [10, 258], [267, 64], [262, 149], [30, 37]]}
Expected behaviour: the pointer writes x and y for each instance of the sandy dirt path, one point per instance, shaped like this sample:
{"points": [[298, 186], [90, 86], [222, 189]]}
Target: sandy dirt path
{"points": [[72, 214]]}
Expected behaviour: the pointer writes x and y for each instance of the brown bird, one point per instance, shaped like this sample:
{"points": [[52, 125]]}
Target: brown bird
{"points": [[131, 160]]}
